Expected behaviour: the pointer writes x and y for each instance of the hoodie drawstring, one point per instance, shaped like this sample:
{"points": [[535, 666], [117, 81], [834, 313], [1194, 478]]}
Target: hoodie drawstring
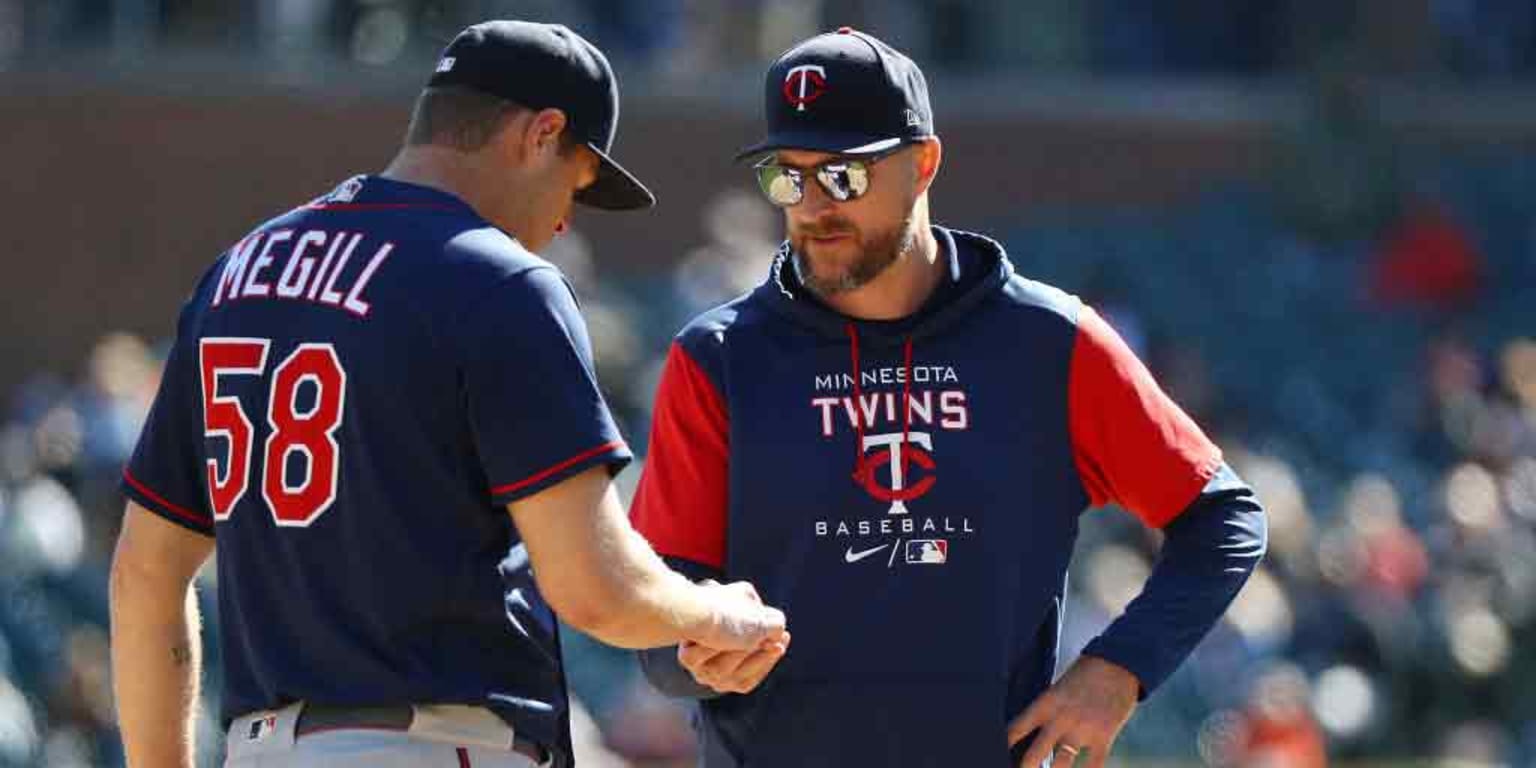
{"points": [[906, 406], [860, 466], [859, 470]]}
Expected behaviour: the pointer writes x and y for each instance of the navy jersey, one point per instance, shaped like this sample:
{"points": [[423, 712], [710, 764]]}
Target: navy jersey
{"points": [[908, 492], [356, 390]]}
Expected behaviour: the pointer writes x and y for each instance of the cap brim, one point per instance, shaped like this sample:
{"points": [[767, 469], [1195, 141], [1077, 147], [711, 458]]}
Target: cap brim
{"points": [[615, 189], [821, 141]]}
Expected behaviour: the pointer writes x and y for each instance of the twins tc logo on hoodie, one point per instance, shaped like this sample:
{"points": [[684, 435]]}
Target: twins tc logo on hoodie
{"points": [[896, 466]]}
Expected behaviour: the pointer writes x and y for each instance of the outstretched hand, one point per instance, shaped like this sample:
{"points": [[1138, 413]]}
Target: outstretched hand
{"points": [[732, 671]]}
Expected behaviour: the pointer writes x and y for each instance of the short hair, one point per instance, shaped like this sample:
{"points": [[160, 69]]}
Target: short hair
{"points": [[465, 119]]}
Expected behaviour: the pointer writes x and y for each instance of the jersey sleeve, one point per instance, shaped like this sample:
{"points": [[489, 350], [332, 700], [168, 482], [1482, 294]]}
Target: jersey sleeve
{"points": [[535, 410], [1207, 556], [680, 505], [166, 472], [1132, 444]]}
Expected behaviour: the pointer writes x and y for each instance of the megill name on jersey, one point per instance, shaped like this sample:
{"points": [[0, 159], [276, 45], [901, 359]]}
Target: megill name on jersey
{"points": [[301, 266]]}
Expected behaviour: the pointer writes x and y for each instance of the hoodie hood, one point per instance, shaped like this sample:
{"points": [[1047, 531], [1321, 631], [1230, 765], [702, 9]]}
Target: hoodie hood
{"points": [[979, 268]]}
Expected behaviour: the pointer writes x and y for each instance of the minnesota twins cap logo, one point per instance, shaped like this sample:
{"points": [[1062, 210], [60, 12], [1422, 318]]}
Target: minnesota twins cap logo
{"points": [[804, 84]]}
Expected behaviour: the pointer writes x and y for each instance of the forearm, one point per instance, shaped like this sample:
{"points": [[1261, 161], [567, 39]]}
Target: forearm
{"points": [[602, 577], [155, 667], [599, 575], [1208, 554], [649, 604]]}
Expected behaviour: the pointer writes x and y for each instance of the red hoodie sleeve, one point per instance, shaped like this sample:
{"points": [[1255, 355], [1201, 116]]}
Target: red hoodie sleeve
{"points": [[1133, 445], [680, 506]]}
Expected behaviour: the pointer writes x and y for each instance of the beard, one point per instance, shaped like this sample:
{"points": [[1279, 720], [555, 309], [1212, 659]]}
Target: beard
{"points": [[876, 252]]}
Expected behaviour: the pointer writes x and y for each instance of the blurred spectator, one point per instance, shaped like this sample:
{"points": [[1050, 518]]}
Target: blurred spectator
{"points": [[19, 740], [1475, 744], [637, 30], [120, 384], [291, 29], [742, 235], [616, 328], [1345, 701], [43, 532], [1486, 39], [1518, 372], [1338, 169], [1426, 260], [1194, 37], [1273, 729], [1393, 562], [82, 730], [1279, 730]]}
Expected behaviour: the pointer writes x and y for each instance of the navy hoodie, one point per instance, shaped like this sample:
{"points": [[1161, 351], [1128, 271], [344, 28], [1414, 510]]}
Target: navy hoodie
{"points": [[908, 492]]}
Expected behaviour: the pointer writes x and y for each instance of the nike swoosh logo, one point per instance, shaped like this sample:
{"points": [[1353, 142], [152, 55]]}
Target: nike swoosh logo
{"points": [[853, 557]]}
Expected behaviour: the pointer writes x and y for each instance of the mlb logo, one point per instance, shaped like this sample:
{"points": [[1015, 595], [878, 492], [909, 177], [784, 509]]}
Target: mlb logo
{"points": [[928, 551], [348, 190], [445, 64], [261, 728]]}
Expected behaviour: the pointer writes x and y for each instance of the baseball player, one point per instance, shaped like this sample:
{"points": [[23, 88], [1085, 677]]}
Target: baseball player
{"points": [[360, 392], [893, 437]]}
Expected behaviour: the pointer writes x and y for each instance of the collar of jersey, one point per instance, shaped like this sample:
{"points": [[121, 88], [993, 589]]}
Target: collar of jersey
{"points": [[378, 190]]}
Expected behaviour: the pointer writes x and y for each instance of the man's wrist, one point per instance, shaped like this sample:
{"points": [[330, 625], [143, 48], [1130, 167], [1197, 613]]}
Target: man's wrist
{"points": [[1132, 682], [696, 614]]}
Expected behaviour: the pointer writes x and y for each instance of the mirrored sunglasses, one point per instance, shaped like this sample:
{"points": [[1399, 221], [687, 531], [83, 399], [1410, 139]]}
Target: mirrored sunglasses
{"points": [[843, 178]]}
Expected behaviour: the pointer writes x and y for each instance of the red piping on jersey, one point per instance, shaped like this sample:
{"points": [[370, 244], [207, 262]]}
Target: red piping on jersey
{"points": [[158, 499], [578, 458], [463, 758], [860, 466]]}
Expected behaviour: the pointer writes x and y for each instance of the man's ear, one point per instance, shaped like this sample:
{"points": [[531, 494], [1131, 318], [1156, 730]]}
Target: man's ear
{"points": [[930, 155], [542, 133]]}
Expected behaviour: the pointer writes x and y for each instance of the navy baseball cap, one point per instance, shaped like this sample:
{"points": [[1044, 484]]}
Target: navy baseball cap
{"points": [[547, 65], [844, 92]]}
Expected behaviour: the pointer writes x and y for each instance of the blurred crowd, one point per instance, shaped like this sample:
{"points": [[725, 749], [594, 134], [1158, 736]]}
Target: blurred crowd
{"points": [[1463, 40], [1365, 352]]}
